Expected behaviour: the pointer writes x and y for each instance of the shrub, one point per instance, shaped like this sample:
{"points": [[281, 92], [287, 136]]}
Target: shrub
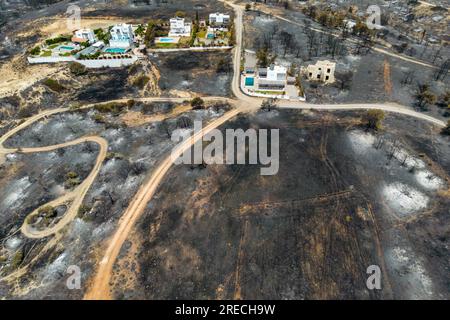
{"points": [[374, 118], [112, 107], [17, 259], [58, 39], [77, 68], [53, 85], [82, 210], [35, 51], [141, 81], [197, 103], [47, 212], [130, 103], [99, 118], [72, 180], [446, 130], [70, 183]]}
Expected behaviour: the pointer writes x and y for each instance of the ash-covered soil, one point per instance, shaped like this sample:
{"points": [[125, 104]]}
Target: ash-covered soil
{"points": [[206, 73], [29, 181], [344, 199]]}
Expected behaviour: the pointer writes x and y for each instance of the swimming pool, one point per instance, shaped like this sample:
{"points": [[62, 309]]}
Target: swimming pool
{"points": [[115, 50], [68, 48], [249, 82], [165, 39]]}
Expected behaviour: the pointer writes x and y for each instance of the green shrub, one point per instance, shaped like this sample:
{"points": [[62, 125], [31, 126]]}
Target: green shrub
{"points": [[113, 107], [374, 118], [47, 212], [446, 130], [141, 81], [17, 259], [197, 103], [77, 68], [58, 39], [99, 118], [53, 85], [35, 51], [82, 210]]}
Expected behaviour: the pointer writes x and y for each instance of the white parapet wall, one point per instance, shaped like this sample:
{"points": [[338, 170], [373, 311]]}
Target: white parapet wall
{"points": [[94, 64], [35, 60], [108, 63]]}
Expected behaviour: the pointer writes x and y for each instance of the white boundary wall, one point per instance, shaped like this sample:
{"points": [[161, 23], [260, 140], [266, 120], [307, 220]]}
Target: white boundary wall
{"points": [[98, 63]]}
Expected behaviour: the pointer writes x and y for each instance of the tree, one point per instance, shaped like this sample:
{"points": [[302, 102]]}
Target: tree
{"points": [[442, 72], [130, 103], [149, 37], [424, 96], [248, 7], [35, 51], [373, 119], [263, 57], [446, 130], [286, 41], [197, 103], [77, 68], [269, 104], [311, 36], [344, 79], [180, 14]]}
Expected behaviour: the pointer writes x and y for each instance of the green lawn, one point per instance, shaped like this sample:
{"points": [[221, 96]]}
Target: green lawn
{"points": [[166, 45], [275, 93], [46, 54], [201, 34]]}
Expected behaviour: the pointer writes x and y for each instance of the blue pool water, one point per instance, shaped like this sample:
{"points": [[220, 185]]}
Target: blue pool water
{"points": [[249, 81], [165, 40], [115, 50], [66, 48]]}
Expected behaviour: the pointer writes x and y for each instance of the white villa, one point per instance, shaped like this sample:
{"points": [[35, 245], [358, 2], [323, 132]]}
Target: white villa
{"points": [[274, 78], [122, 36], [219, 19], [180, 28], [84, 35], [322, 71]]}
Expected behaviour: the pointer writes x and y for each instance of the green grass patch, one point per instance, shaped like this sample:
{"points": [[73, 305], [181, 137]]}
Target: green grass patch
{"points": [[53, 85]]}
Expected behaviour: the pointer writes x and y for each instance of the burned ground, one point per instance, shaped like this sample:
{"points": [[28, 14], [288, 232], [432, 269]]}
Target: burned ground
{"points": [[206, 73], [310, 231], [28, 181]]}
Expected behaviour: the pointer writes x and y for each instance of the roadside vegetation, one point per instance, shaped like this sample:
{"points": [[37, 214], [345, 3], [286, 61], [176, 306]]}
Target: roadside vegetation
{"points": [[197, 103], [77, 69], [373, 119]]}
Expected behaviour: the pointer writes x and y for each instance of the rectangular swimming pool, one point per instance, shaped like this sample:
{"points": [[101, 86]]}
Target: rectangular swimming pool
{"points": [[115, 50], [66, 48], [249, 82]]}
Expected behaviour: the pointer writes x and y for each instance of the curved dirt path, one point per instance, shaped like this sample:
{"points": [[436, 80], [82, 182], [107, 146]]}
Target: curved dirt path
{"points": [[73, 199]]}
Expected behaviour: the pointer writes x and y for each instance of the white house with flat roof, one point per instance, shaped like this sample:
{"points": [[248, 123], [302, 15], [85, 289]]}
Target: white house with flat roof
{"points": [[179, 27], [220, 19], [122, 36], [84, 35]]}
